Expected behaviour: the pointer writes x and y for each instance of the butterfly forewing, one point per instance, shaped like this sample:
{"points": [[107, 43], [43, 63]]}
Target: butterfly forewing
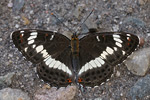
{"points": [[100, 52], [48, 49]]}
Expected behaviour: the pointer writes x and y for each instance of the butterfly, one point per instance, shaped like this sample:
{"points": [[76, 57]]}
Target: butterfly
{"points": [[88, 61]]}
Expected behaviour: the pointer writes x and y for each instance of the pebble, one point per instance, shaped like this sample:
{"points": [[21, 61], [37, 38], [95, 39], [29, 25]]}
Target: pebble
{"points": [[142, 2], [115, 28], [62, 93], [135, 21], [10, 55], [25, 20], [118, 74], [6, 80], [18, 5], [13, 94], [141, 89], [67, 34], [78, 11], [138, 63], [91, 24], [10, 4], [16, 26]]}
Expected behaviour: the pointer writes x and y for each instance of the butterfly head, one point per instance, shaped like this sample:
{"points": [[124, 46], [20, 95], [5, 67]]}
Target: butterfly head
{"points": [[74, 37]]}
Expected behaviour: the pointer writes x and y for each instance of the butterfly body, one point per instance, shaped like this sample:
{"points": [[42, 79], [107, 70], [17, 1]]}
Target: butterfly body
{"points": [[88, 61]]}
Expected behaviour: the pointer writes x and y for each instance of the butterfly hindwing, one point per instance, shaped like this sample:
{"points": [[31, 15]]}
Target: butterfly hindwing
{"points": [[48, 49], [100, 52]]}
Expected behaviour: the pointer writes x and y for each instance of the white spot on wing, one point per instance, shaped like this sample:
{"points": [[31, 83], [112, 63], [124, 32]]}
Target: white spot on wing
{"points": [[90, 66], [81, 71], [39, 48], [21, 31], [46, 56], [86, 67], [109, 50], [48, 60], [117, 40], [97, 62], [68, 70], [34, 33], [57, 64], [123, 52], [22, 34], [116, 36], [52, 36], [128, 35], [118, 44], [33, 46], [97, 37], [101, 60], [44, 53], [92, 63], [31, 41], [63, 67], [11, 35], [115, 48], [59, 67], [51, 65], [104, 54], [32, 37], [25, 49]]}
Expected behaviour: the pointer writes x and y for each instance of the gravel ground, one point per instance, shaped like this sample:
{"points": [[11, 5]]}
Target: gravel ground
{"points": [[109, 15]]}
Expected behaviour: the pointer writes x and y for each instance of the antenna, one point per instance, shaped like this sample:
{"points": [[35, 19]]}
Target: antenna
{"points": [[84, 20], [72, 31], [62, 23]]}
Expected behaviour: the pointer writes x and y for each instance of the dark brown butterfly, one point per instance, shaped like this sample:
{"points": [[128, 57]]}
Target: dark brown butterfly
{"points": [[88, 61]]}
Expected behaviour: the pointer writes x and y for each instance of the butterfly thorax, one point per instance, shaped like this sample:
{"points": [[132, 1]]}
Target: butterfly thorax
{"points": [[75, 45]]}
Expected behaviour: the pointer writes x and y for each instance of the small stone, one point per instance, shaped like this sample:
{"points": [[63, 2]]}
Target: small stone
{"points": [[142, 41], [115, 28], [99, 16], [91, 24], [98, 98], [10, 55], [18, 5], [138, 62], [78, 11], [25, 20], [129, 10], [67, 34], [16, 26], [7, 79], [62, 93], [135, 21], [141, 89], [117, 73], [31, 12], [10, 4], [46, 86], [142, 2], [13, 94], [1, 39], [84, 29]]}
